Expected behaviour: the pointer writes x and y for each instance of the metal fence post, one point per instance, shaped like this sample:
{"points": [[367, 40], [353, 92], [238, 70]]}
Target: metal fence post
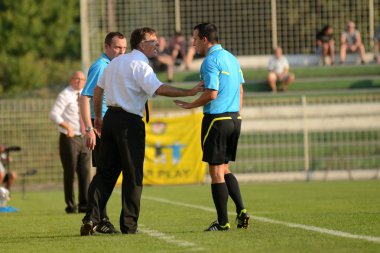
{"points": [[305, 128], [177, 15], [371, 21], [84, 32], [274, 24]]}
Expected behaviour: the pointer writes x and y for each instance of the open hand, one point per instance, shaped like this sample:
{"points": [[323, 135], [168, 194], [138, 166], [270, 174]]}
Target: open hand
{"points": [[183, 104], [91, 140], [198, 88], [98, 124]]}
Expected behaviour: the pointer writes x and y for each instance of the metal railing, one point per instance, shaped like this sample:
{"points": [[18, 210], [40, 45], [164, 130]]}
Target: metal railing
{"points": [[280, 133]]}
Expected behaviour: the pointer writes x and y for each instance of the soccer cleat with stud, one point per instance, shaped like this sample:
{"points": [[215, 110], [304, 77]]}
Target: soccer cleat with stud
{"points": [[87, 228], [105, 227], [215, 226], [242, 219]]}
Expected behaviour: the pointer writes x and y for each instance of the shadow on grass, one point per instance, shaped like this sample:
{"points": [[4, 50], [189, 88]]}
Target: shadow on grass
{"points": [[365, 84]]}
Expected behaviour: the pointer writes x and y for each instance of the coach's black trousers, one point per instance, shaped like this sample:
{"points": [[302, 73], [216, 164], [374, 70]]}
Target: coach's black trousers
{"points": [[75, 158], [122, 150]]}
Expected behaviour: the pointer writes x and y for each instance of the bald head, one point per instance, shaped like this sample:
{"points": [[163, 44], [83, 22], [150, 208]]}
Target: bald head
{"points": [[77, 80], [278, 52]]}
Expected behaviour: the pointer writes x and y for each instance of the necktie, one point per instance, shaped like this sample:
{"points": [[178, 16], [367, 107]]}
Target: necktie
{"points": [[81, 123], [147, 112]]}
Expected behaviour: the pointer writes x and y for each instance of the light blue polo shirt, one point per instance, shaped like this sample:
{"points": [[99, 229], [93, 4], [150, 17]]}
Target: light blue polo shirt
{"points": [[221, 71], [93, 76]]}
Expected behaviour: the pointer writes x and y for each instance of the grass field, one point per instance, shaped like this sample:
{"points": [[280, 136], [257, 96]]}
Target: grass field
{"points": [[300, 72], [287, 217]]}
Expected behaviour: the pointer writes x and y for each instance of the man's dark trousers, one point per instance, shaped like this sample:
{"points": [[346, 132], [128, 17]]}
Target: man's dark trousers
{"points": [[75, 157], [122, 150]]}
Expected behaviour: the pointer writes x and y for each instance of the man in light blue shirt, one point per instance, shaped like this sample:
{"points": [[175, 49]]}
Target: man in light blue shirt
{"points": [[222, 101], [115, 44]]}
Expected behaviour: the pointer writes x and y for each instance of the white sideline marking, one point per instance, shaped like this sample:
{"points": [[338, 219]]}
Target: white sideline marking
{"points": [[168, 238], [288, 224]]}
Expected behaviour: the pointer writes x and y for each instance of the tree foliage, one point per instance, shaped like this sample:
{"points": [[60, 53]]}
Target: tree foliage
{"points": [[38, 38]]}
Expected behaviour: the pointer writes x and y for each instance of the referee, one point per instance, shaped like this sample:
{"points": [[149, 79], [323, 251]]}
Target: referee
{"points": [[222, 101], [128, 81]]}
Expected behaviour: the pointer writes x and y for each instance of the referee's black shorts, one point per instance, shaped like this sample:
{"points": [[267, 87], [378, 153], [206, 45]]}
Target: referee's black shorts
{"points": [[219, 137]]}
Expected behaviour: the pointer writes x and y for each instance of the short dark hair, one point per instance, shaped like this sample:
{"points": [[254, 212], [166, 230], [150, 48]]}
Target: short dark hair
{"points": [[139, 34], [111, 35], [209, 31]]}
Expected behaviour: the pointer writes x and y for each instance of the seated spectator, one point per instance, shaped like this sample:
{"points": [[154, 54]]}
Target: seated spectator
{"points": [[164, 61], [279, 71], [180, 51], [6, 177], [325, 44], [376, 45], [351, 42], [191, 53]]}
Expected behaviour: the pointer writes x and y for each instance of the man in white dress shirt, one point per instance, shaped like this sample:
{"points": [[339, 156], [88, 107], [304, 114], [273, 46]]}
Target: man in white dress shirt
{"points": [[128, 81], [75, 156], [279, 71]]}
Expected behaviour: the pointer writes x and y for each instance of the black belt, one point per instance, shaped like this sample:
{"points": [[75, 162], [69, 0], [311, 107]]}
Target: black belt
{"points": [[119, 109], [116, 109]]}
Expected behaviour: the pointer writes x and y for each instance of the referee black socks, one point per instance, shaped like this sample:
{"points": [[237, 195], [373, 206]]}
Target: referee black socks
{"points": [[234, 191], [220, 197]]}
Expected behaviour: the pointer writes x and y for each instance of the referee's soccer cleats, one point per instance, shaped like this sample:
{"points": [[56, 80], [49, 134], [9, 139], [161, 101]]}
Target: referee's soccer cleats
{"points": [[105, 227], [215, 226], [242, 219], [87, 228]]}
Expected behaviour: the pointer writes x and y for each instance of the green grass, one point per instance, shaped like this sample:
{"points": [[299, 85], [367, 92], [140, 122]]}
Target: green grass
{"points": [[351, 207], [252, 75], [255, 78]]}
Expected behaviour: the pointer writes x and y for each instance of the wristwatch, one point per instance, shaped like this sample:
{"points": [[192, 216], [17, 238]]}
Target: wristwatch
{"points": [[88, 129]]}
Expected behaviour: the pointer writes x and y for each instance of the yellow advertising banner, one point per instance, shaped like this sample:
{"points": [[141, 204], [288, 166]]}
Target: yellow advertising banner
{"points": [[173, 153]]}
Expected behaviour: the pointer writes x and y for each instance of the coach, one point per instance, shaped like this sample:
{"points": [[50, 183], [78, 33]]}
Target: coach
{"points": [[128, 81]]}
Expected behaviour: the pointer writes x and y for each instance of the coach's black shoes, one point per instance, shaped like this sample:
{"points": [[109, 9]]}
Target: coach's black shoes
{"points": [[71, 209], [105, 227], [215, 226], [242, 219], [87, 228]]}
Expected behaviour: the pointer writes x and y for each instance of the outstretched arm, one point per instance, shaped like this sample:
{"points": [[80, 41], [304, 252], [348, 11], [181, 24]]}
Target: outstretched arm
{"points": [[206, 97], [170, 91]]}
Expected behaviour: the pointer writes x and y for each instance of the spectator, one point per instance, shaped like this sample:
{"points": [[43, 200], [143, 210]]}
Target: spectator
{"points": [[191, 53], [75, 156], [325, 44], [279, 71], [163, 61], [351, 42], [376, 45], [177, 46], [180, 52], [6, 177]]}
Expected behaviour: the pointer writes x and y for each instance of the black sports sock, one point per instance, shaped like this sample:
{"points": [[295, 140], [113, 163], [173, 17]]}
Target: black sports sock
{"points": [[234, 191], [220, 197]]}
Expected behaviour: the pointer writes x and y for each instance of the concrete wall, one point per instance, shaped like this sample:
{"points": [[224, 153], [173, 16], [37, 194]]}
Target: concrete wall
{"points": [[314, 117]]}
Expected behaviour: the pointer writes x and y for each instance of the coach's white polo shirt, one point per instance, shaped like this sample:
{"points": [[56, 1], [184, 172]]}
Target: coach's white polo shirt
{"points": [[128, 81]]}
